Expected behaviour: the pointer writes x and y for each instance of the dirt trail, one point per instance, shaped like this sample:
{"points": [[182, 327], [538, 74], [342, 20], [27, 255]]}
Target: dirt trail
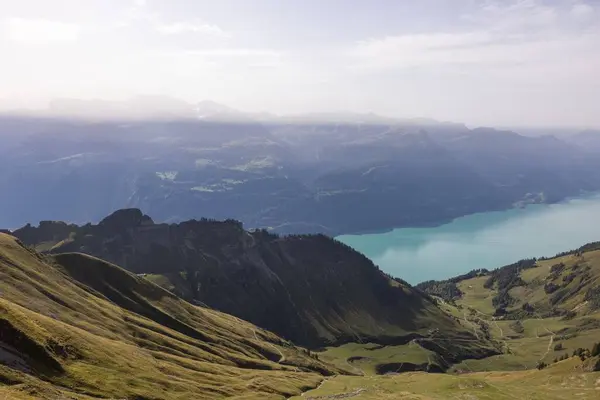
{"points": [[471, 323], [324, 381], [552, 335], [282, 359], [347, 395]]}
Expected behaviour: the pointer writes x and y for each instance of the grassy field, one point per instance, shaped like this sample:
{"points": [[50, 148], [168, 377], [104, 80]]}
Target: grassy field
{"points": [[524, 343], [560, 381], [366, 359], [476, 296]]}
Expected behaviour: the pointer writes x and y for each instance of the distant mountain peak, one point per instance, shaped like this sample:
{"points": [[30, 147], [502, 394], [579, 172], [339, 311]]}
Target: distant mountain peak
{"points": [[210, 109], [126, 218]]}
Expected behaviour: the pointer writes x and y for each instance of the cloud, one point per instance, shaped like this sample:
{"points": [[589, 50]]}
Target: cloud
{"points": [[514, 15], [139, 12], [234, 52], [423, 50], [175, 28], [582, 11], [40, 31], [517, 34]]}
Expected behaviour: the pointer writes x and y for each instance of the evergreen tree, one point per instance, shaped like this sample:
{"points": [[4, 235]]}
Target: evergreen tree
{"points": [[541, 365]]}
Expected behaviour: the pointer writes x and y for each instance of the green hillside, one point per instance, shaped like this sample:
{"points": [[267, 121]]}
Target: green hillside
{"points": [[568, 379], [310, 289], [538, 310], [541, 336], [76, 327]]}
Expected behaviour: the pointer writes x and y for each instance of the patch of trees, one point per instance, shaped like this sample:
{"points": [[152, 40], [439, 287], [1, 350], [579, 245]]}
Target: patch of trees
{"points": [[565, 293], [558, 347], [502, 300], [509, 276], [593, 297], [586, 247], [528, 308], [469, 275], [561, 358], [570, 314], [551, 287], [500, 312], [505, 278], [556, 270], [569, 278], [541, 365], [558, 296], [394, 278], [485, 328], [445, 289], [580, 352], [266, 234]]}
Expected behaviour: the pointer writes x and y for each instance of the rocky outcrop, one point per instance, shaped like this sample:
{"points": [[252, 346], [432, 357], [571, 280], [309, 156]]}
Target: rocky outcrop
{"points": [[125, 219], [45, 232]]}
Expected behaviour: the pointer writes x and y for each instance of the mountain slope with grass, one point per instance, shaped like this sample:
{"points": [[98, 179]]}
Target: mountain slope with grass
{"points": [[73, 326], [309, 289], [567, 379], [542, 313], [540, 310]]}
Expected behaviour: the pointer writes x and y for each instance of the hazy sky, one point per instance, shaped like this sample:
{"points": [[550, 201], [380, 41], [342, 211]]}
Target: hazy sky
{"points": [[526, 62]]}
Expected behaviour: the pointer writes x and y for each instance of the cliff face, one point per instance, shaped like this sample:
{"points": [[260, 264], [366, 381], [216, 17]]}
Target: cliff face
{"points": [[310, 289]]}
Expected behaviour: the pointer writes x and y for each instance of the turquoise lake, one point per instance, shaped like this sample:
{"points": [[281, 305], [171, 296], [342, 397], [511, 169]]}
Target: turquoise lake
{"points": [[485, 240]]}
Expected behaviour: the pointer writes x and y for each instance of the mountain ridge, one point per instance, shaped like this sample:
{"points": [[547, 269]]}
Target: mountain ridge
{"points": [[280, 175], [310, 289]]}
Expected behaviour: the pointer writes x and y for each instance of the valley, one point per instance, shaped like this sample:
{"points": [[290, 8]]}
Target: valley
{"points": [[300, 200], [524, 329], [538, 335], [306, 174]]}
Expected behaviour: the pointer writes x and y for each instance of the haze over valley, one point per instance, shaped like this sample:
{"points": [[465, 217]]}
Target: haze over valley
{"points": [[327, 173]]}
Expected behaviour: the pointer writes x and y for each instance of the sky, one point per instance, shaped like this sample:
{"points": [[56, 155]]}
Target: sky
{"points": [[509, 62]]}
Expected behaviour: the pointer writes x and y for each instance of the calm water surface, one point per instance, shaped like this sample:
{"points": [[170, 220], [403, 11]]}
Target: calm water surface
{"points": [[485, 240]]}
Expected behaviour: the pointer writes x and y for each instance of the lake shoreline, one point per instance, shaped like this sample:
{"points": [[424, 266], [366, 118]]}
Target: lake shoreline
{"points": [[482, 240], [439, 223]]}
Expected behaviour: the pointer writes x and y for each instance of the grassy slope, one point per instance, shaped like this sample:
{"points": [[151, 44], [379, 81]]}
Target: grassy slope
{"points": [[475, 295], [309, 289], [369, 358], [524, 349], [108, 333], [520, 350], [560, 381]]}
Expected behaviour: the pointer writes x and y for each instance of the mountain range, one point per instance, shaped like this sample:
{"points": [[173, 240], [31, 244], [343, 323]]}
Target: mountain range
{"points": [[309, 289], [298, 174]]}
